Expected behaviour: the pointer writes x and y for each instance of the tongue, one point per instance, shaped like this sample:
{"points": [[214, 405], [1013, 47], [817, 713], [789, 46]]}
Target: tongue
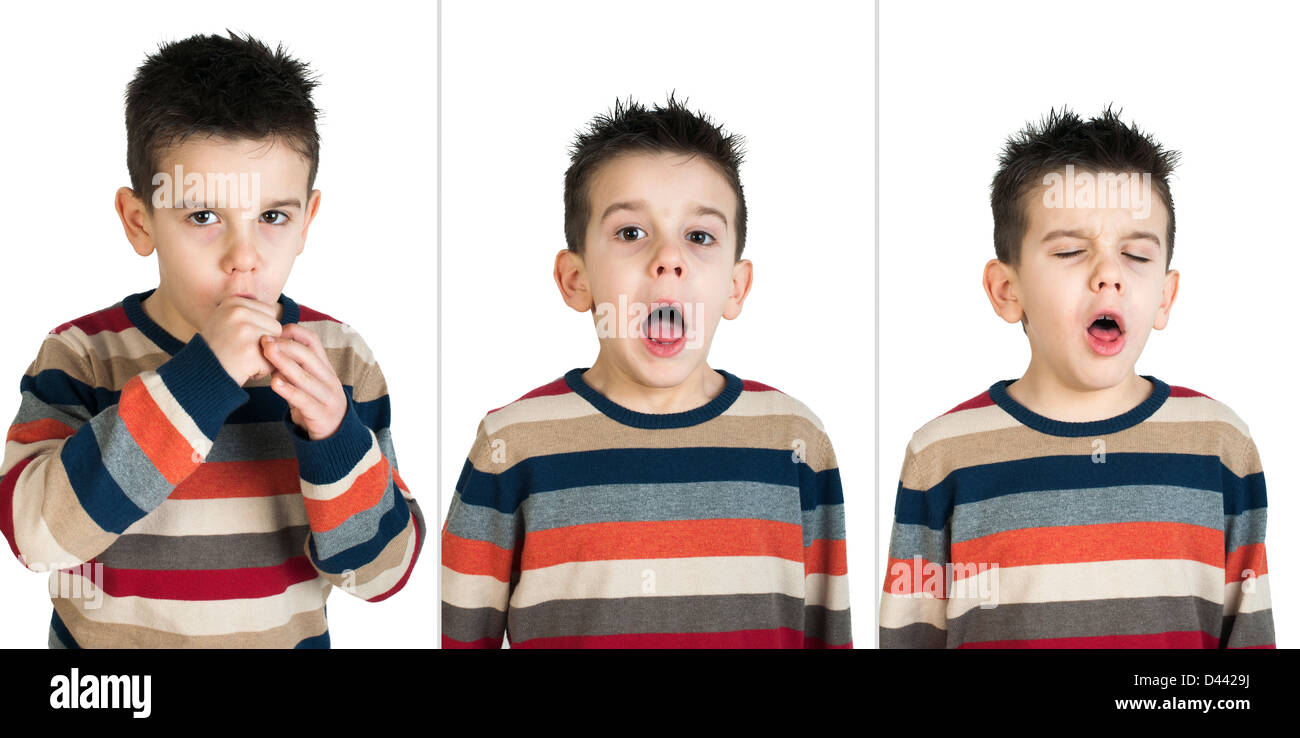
{"points": [[1104, 331], [664, 331]]}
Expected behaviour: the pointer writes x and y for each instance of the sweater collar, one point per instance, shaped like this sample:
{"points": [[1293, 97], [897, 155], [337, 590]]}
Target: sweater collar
{"points": [[711, 409], [134, 308], [1145, 409]]}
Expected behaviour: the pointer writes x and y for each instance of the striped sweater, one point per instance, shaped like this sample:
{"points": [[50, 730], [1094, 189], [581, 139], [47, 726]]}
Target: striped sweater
{"points": [[579, 523], [1143, 530], [174, 508]]}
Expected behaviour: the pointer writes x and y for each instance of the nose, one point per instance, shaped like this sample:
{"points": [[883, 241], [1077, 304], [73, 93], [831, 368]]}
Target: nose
{"points": [[1107, 274], [241, 252], [668, 260]]}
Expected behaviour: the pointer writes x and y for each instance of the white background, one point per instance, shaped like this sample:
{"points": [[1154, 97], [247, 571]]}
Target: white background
{"points": [[519, 79], [370, 254], [1211, 80]]}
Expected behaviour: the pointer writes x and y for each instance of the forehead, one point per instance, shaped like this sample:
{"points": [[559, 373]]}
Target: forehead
{"points": [[277, 166], [665, 182], [1095, 204]]}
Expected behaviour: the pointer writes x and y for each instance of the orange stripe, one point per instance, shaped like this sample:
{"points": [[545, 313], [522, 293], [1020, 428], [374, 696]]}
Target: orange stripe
{"points": [[230, 479], [476, 557], [663, 540], [170, 453], [44, 429], [1068, 544], [397, 479], [825, 557], [366, 490], [907, 576], [1250, 556]]}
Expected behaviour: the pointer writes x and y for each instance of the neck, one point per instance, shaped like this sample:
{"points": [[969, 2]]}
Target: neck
{"points": [[699, 387], [1045, 394]]}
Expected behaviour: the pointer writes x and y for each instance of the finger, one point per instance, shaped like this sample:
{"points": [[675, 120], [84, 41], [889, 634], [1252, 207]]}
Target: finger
{"points": [[285, 356], [318, 363], [310, 362], [307, 338], [258, 305]]}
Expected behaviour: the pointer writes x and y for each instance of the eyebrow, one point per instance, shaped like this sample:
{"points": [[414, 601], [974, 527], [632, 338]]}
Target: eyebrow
{"points": [[1135, 235], [640, 205], [291, 202]]}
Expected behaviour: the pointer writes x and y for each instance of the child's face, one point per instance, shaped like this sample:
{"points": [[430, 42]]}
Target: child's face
{"points": [[1078, 263], [236, 234], [661, 230]]}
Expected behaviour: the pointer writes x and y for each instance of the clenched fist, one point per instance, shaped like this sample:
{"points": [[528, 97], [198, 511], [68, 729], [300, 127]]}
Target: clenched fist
{"points": [[234, 333]]}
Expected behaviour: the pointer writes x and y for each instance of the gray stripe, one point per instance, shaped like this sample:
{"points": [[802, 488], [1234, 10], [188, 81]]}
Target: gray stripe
{"points": [[359, 528], [830, 626], [252, 442], [910, 540], [56, 642], [479, 523], [606, 503], [1246, 528], [127, 464], [31, 408], [654, 614], [916, 635], [1085, 618], [472, 624], [1251, 629], [1124, 504], [384, 437], [826, 523], [234, 551]]}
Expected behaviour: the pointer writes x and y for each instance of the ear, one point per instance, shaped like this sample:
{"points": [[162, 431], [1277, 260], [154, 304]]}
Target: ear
{"points": [[1000, 286], [1167, 295], [742, 278], [571, 278], [136, 220], [313, 204]]}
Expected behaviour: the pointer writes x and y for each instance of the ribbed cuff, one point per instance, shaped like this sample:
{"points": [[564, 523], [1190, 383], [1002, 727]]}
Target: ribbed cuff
{"points": [[330, 459], [198, 382]]}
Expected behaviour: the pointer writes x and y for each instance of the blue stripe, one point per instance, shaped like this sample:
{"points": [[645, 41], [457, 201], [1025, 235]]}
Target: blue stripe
{"points": [[507, 490], [61, 631], [1243, 493], [390, 526], [56, 387], [100, 496], [978, 483], [319, 641]]}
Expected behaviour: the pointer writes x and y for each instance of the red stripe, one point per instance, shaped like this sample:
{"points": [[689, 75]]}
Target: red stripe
{"points": [[402, 582], [7, 484], [204, 584], [1172, 639], [982, 400], [448, 642], [1184, 392], [306, 315], [773, 638], [109, 319], [558, 387], [750, 385]]}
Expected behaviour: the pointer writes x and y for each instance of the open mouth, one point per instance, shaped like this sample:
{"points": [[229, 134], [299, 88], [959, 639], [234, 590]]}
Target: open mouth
{"points": [[664, 329], [1106, 333]]}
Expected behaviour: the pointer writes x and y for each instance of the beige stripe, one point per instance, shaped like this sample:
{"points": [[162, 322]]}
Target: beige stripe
{"points": [[712, 575], [379, 575], [827, 590], [127, 345], [50, 525], [941, 458], [518, 441], [180, 419], [472, 591], [1237, 603], [334, 489], [1100, 580], [339, 336], [534, 409], [115, 373], [1198, 409], [90, 634], [203, 618], [223, 516], [772, 403], [900, 611], [57, 353], [963, 423]]}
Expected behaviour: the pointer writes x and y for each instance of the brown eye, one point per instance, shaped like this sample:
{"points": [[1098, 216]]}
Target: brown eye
{"points": [[203, 217], [701, 238], [274, 217], [631, 233]]}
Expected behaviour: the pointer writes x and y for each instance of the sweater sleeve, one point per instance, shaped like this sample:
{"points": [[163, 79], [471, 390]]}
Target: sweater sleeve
{"points": [[482, 542], [366, 528], [1247, 607], [913, 606], [826, 575], [81, 466]]}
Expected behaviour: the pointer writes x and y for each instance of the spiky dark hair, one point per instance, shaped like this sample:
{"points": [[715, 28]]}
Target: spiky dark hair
{"points": [[1101, 144], [230, 87], [632, 127]]}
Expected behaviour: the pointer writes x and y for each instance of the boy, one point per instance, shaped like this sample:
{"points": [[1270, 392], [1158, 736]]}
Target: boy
{"points": [[649, 501], [199, 464], [1081, 505]]}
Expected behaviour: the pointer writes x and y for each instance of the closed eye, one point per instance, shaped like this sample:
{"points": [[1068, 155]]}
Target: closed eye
{"points": [[1067, 254]]}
